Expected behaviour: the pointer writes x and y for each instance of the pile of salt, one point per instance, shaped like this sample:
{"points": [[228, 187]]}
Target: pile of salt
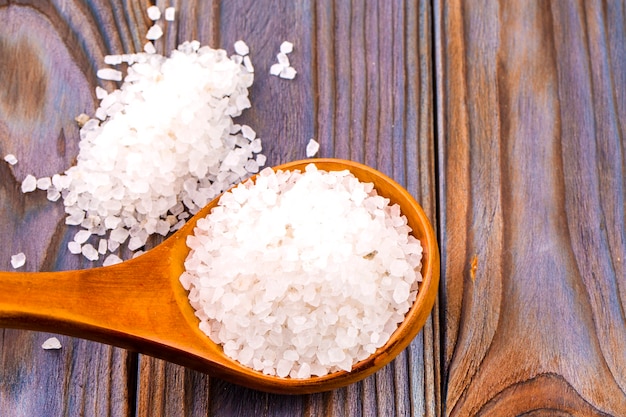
{"points": [[302, 273]]}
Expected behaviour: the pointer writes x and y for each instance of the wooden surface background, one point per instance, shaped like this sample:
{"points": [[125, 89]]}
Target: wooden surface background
{"points": [[506, 120]]}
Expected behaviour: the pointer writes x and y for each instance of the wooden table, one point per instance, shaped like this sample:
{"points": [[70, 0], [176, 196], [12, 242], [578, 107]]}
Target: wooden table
{"points": [[506, 120]]}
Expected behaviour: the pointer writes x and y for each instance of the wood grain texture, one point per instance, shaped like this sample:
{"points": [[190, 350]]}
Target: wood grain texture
{"points": [[531, 133], [49, 52], [364, 91]]}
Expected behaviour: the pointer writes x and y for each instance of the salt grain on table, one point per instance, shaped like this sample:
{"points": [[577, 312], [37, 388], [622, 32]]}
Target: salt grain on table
{"points": [[51, 344], [312, 148], [18, 260], [155, 32], [29, 184], [10, 159], [170, 13]]}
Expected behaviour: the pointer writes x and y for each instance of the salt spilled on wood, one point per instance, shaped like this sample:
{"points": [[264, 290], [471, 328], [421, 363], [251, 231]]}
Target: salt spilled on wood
{"points": [[10, 159], [158, 149], [51, 343], [283, 68], [302, 273], [18, 260], [312, 148]]}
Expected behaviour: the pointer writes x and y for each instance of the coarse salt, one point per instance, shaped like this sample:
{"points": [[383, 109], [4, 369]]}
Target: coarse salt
{"points": [[286, 47], [163, 140], [241, 48], [302, 273], [155, 32], [109, 74], [29, 184], [10, 159], [18, 260], [312, 148], [170, 14], [51, 343]]}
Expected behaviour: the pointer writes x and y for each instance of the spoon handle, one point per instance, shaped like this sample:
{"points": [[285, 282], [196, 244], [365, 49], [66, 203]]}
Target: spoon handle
{"points": [[109, 304], [136, 305]]}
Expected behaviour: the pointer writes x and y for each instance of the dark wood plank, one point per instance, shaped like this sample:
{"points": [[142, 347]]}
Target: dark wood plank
{"points": [[49, 54], [364, 91], [531, 131]]}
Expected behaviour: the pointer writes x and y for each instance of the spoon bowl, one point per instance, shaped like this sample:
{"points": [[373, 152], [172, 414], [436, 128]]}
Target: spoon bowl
{"points": [[140, 304]]}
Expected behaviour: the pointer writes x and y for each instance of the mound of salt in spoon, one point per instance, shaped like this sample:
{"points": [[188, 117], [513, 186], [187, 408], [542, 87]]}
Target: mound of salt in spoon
{"points": [[301, 274]]}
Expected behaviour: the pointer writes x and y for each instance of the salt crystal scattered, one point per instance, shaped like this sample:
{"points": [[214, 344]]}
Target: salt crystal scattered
{"points": [[89, 252], [170, 13], [282, 59], [241, 48], [51, 344], [312, 147], [111, 260], [288, 73], [248, 132], [276, 69], [154, 13], [109, 74], [248, 64], [74, 247], [113, 59], [149, 48], [286, 47], [18, 260], [155, 32], [82, 236], [44, 183], [10, 159], [29, 184]]}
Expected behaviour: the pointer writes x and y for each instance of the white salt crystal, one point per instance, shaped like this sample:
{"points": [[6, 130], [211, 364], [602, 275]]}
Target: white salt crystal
{"points": [[53, 194], [149, 48], [82, 236], [154, 13], [286, 47], [155, 32], [29, 184], [111, 260], [401, 292], [51, 343], [247, 62], [248, 132], [112, 59], [10, 159], [276, 69], [74, 247], [170, 13], [288, 73], [18, 260], [44, 183], [89, 252], [109, 74], [100, 93], [102, 246], [312, 147], [283, 59], [241, 48]]}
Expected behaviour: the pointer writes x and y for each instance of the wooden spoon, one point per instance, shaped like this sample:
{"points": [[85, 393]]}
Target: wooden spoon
{"points": [[140, 304]]}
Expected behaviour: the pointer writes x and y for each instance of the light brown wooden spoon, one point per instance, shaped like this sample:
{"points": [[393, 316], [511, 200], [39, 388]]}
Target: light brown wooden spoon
{"points": [[140, 304]]}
